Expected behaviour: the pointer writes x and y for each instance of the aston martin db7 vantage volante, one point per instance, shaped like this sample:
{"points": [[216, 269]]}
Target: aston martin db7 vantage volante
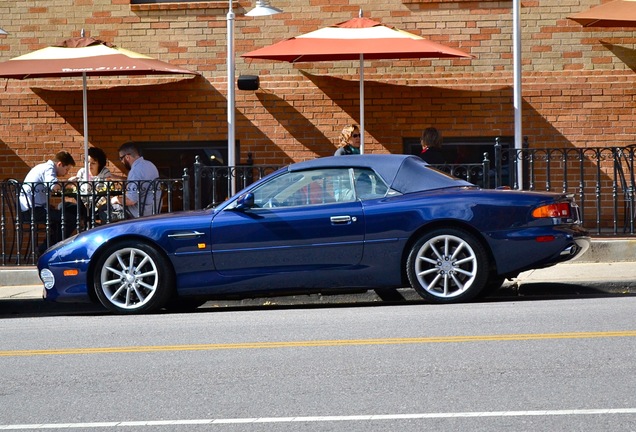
{"points": [[333, 224]]}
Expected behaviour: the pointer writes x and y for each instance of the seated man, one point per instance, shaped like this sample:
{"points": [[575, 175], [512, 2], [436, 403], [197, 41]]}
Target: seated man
{"points": [[137, 199], [33, 197]]}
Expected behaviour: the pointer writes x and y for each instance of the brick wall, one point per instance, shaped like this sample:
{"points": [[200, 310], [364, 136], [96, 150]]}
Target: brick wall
{"points": [[578, 84]]}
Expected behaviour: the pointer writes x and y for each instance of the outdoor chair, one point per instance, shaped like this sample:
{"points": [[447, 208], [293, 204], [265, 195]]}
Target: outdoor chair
{"points": [[154, 191]]}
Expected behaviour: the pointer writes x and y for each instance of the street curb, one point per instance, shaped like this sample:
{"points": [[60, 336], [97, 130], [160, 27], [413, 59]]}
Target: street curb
{"points": [[18, 276], [609, 250]]}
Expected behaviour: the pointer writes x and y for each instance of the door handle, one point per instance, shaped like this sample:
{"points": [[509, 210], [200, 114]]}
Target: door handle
{"points": [[342, 220], [186, 234]]}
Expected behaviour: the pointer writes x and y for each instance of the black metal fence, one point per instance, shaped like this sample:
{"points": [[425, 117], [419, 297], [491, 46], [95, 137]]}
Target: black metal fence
{"points": [[34, 216], [601, 178]]}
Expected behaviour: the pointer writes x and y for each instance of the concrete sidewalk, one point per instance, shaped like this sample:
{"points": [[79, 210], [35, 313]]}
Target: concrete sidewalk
{"points": [[609, 266], [20, 283]]}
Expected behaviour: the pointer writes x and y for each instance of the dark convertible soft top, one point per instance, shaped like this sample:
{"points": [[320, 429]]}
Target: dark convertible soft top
{"points": [[403, 173]]}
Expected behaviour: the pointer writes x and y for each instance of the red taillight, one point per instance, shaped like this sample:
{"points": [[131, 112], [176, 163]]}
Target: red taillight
{"points": [[545, 239], [556, 210]]}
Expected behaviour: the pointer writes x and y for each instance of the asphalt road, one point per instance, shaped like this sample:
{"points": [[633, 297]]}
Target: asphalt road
{"points": [[516, 363]]}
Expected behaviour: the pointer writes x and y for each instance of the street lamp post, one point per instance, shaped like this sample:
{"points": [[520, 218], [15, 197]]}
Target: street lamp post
{"points": [[231, 128], [262, 8]]}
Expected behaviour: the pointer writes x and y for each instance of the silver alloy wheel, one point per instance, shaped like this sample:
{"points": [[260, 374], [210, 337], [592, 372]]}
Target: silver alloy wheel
{"points": [[129, 278], [446, 266]]}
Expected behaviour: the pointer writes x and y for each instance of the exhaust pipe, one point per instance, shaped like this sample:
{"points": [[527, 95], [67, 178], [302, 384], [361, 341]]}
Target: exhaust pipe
{"points": [[569, 251]]}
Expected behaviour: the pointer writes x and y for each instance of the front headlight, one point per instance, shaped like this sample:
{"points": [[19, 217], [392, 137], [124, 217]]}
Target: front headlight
{"points": [[47, 277]]}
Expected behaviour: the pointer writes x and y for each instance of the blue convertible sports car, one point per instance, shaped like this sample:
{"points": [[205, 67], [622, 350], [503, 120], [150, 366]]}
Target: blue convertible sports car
{"points": [[332, 224]]}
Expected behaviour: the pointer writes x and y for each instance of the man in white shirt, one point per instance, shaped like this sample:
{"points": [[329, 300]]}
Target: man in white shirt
{"points": [[33, 197]]}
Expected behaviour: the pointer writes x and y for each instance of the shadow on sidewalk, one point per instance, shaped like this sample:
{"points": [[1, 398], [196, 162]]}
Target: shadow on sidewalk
{"points": [[24, 308], [559, 290]]}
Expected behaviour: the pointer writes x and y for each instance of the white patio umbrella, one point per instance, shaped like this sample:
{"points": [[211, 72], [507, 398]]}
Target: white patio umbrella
{"points": [[83, 57]]}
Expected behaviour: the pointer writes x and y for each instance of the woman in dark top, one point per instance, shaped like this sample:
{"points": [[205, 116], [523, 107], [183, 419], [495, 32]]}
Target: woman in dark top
{"points": [[432, 147]]}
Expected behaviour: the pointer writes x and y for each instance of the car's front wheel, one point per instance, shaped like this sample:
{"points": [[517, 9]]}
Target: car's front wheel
{"points": [[132, 277], [448, 265]]}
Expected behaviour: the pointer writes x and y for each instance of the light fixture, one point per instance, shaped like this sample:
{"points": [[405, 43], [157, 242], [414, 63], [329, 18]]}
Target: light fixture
{"points": [[2, 32], [262, 8]]}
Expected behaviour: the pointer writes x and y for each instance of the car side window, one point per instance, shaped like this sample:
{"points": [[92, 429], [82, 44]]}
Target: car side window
{"points": [[369, 185], [304, 188]]}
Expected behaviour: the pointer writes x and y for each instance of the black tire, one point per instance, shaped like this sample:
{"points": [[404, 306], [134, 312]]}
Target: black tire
{"points": [[133, 278], [448, 265]]}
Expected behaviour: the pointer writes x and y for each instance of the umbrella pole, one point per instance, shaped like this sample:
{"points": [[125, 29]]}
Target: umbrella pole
{"points": [[85, 112], [361, 103]]}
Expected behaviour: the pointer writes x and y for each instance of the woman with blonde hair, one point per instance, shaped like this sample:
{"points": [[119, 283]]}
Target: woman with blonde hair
{"points": [[349, 141]]}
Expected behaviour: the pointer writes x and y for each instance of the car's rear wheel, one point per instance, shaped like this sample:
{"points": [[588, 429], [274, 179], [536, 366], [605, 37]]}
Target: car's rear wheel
{"points": [[448, 265], [132, 277]]}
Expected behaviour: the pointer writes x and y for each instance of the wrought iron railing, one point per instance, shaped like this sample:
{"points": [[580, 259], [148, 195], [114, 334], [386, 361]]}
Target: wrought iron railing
{"points": [[33, 215], [602, 179], [212, 184], [476, 173]]}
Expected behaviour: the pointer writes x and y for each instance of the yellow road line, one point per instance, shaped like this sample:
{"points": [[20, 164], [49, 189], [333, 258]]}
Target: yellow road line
{"points": [[320, 343]]}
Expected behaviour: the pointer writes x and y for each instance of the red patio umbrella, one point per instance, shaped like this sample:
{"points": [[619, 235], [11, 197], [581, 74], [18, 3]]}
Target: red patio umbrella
{"points": [[82, 57], [357, 39], [617, 13]]}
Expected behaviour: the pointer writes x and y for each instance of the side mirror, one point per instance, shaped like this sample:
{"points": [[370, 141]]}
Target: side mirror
{"points": [[245, 202]]}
